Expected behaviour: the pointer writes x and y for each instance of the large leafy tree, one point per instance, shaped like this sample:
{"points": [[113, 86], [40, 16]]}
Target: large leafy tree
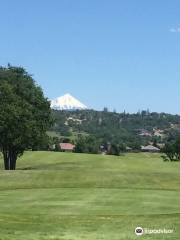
{"points": [[25, 114], [172, 151]]}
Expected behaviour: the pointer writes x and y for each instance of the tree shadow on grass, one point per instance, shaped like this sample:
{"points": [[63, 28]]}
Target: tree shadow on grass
{"points": [[57, 166]]}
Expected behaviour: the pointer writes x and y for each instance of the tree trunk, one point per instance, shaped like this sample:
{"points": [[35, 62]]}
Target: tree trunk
{"points": [[10, 157]]}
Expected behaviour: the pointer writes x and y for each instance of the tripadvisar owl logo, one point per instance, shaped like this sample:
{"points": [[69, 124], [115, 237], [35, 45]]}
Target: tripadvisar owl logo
{"points": [[139, 231]]}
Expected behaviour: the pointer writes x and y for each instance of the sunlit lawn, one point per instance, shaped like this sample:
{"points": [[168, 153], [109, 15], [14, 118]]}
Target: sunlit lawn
{"points": [[80, 196]]}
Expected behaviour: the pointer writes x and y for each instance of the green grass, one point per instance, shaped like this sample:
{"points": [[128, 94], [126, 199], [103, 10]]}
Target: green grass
{"points": [[72, 137], [66, 196]]}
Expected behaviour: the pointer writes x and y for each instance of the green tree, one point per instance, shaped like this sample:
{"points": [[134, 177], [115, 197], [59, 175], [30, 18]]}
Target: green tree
{"points": [[25, 114], [155, 142], [87, 144], [169, 152], [177, 149], [81, 146], [117, 149], [172, 151]]}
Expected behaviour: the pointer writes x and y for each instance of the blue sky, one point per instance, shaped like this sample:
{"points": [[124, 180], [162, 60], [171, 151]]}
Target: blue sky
{"points": [[123, 54]]}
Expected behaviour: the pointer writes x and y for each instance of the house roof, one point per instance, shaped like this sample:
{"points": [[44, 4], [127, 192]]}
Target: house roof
{"points": [[149, 147], [66, 146]]}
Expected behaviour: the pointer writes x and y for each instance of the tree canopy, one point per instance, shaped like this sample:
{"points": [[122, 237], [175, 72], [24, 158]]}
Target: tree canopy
{"points": [[172, 150], [25, 114]]}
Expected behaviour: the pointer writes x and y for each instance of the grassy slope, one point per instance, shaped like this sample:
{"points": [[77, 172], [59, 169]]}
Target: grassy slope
{"points": [[80, 196]]}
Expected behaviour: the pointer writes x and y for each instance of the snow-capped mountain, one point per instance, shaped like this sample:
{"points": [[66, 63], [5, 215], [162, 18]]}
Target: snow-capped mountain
{"points": [[67, 102]]}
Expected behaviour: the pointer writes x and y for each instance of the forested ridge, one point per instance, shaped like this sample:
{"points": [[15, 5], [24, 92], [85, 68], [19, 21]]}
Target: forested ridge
{"points": [[132, 130]]}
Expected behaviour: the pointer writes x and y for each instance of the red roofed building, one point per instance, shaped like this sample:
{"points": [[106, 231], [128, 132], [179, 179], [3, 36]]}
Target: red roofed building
{"points": [[66, 147]]}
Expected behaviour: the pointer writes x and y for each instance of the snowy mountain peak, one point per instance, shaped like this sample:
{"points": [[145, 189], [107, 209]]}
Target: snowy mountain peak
{"points": [[67, 102]]}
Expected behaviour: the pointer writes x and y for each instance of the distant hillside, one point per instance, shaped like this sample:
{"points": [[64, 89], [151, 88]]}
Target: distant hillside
{"points": [[110, 127]]}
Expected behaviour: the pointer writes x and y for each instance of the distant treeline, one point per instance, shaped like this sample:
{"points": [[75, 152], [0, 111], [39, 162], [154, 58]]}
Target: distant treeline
{"points": [[90, 129]]}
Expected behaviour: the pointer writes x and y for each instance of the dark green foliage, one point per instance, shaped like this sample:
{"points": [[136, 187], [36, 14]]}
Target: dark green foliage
{"points": [[25, 114], [87, 144], [172, 151], [116, 128], [155, 142], [116, 149]]}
